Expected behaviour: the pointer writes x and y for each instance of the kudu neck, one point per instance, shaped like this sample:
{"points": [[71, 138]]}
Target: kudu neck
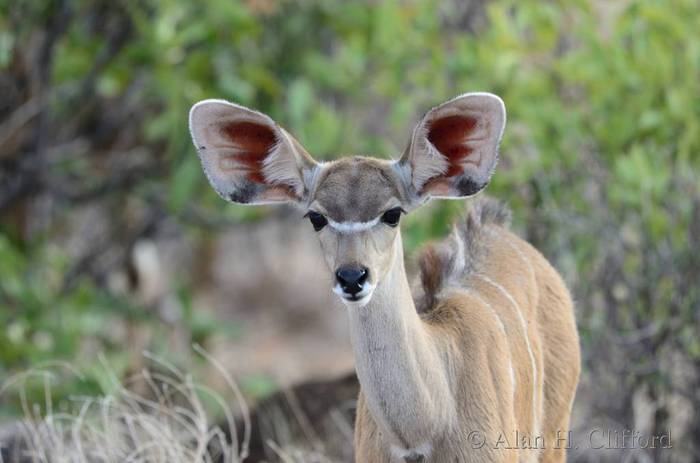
{"points": [[393, 291], [396, 359]]}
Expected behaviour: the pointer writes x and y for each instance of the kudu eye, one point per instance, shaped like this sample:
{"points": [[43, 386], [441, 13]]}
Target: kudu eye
{"points": [[392, 216], [317, 220]]}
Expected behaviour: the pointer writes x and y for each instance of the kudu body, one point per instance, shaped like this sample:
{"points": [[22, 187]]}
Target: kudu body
{"points": [[483, 365]]}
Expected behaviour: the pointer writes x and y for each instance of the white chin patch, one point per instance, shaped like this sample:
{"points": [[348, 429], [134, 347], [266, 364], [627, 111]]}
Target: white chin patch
{"points": [[358, 300]]}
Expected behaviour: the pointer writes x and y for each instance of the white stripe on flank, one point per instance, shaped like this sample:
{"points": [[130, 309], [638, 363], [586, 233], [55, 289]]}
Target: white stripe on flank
{"points": [[490, 307], [535, 418], [352, 227], [528, 263], [526, 260], [503, 331], [518, 251]]}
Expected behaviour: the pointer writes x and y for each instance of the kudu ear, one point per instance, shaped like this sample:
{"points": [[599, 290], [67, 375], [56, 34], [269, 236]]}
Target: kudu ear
{"points": [[247, 157], [454, 149]]}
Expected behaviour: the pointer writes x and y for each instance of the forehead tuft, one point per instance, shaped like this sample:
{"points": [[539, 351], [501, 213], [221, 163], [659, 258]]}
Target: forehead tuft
{"points": [[356, 189]]}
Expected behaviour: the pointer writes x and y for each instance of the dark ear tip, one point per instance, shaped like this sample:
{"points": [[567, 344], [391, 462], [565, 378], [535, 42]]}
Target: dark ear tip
{"points": [[242, 195], [238, 198], [466, 186]]}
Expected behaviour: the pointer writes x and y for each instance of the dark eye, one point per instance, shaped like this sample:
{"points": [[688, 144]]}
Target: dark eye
{"points": [[317, 220], [392, 216]]}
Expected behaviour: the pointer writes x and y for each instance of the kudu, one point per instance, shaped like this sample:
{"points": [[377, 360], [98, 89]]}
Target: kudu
{"points": [[483, 366]]}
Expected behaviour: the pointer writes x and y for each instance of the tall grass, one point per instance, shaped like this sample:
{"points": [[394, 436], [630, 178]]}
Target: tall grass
{"points": [[170, 420]]}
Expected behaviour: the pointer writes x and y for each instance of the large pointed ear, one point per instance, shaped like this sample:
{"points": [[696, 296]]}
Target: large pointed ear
{"points": [[454, 149], [247, 157]]}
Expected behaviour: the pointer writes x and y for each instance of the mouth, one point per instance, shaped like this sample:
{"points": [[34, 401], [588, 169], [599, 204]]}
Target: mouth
{"points": [[359, 299]]}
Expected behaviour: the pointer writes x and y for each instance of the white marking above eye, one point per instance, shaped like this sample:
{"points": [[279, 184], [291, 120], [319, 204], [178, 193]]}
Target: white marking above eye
{"points": [[352, 227]]}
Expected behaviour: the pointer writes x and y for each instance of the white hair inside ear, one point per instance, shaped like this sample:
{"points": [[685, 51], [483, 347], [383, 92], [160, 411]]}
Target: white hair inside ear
{"points": [[246, 156], [453, 150]]}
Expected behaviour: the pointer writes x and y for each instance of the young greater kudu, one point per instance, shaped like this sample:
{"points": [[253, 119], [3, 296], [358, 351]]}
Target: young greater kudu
{"points": [[484, 365]]}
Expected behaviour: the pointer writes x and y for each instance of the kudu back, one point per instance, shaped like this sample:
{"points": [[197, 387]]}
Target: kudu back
{"points": [[482, 366]]}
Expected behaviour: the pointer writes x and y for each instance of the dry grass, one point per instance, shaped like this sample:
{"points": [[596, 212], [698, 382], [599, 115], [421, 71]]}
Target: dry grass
{"points": [[166, 423]]}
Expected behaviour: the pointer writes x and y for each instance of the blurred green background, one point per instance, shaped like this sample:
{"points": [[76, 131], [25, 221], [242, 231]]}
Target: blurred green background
{"points": [[600, 164]]}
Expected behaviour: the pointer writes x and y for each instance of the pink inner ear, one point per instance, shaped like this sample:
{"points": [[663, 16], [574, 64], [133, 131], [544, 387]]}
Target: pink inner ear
{"points": [[254, 142], [448, 135]]}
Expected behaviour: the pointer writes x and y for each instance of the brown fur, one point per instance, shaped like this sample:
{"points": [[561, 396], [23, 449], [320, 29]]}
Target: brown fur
{"points": [[461, 317], [343, 185], [437, 261], [492, 349]]}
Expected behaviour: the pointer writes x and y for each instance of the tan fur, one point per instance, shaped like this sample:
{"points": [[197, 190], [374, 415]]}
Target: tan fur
{"points": [[476, 354], [484, 366]]}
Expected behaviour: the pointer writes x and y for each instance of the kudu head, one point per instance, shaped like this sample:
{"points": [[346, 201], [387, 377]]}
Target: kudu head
{"points": [[354, 204]]}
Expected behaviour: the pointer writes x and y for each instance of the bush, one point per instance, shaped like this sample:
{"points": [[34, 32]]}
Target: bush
{"points": [[599, 161]]}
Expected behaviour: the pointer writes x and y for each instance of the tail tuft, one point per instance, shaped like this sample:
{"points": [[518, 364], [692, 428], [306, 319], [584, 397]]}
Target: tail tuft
{"points": [[455, 257]]}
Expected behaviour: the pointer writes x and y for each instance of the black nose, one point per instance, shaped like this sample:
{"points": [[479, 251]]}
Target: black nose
{"points": [[351, 278]]}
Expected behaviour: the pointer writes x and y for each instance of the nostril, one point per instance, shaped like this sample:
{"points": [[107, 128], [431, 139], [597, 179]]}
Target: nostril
{"points": [[363, 276], [351, 279]]}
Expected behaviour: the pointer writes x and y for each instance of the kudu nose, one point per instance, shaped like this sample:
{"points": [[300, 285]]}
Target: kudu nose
{"points": [[351, 279]]}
